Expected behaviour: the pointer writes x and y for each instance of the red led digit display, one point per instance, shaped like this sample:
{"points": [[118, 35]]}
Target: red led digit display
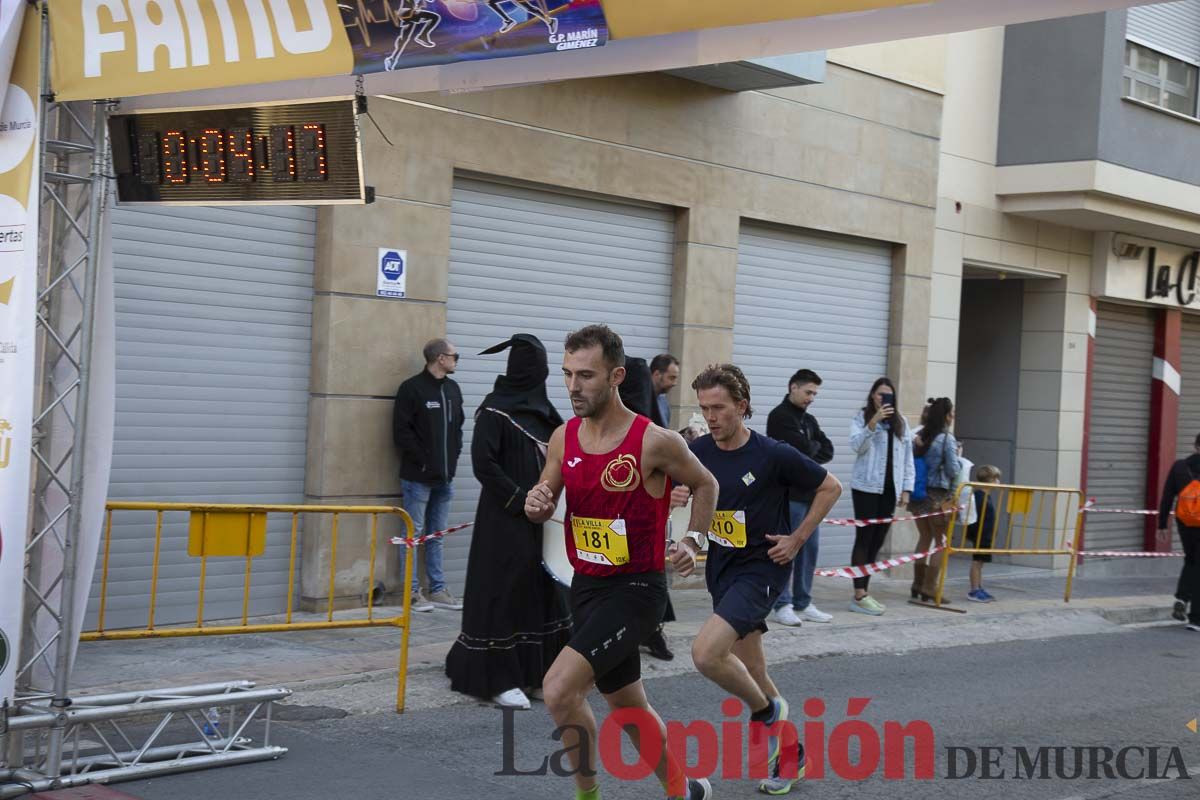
{"points": [[296, 152], [147, 153], [239, 150], [283, 152], [174, 157], [272, 153], [311, 155], [237, 156], [212, 155]]}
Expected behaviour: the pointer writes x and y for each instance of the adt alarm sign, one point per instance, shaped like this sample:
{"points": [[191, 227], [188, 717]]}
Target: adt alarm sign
{"points": [[392, 274]]}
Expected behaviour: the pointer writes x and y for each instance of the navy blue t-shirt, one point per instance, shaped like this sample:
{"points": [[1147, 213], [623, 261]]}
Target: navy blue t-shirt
{"points": [[753, 500]]}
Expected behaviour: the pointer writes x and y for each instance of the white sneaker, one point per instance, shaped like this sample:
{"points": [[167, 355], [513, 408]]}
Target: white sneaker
{"points": [[421, 603], [513, 698], [814, 614], [786, 616], [867, 605], [443, 599]]}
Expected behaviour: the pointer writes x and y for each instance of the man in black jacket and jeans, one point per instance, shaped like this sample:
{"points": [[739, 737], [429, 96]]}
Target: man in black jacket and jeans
{"points": [[1187, 593], [790, 422], [427, 423]]}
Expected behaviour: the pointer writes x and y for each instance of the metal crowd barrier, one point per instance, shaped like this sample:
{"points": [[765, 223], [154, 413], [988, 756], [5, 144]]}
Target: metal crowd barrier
{"points": [[224, 531], [1029, 521]]}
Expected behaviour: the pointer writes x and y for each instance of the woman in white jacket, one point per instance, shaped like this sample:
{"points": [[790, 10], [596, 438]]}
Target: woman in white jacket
{"points": [[882, 480]]}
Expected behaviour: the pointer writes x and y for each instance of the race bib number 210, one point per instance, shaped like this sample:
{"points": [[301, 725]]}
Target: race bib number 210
{"points": [[728, 528]]}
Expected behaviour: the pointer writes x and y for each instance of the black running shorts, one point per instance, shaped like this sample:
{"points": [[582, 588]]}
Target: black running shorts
{"points": [[611, 617]]}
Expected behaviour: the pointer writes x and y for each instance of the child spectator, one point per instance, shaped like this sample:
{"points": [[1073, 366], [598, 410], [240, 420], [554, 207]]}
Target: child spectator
{"points": [[983, 533]]}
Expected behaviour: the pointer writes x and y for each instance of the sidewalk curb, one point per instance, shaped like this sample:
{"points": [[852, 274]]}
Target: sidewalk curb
{"points": [[681, 642]]}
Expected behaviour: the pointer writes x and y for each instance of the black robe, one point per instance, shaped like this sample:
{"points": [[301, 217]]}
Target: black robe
{"points": [[515, 620]]}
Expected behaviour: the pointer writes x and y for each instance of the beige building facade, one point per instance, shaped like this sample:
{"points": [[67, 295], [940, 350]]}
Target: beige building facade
{"points": [[900, 210], [853, 157]]}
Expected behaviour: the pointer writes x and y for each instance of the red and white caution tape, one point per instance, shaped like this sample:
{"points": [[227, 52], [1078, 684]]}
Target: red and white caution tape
{"points": [[862, 523], [1126, 554], [1090, 508], [410, 543], [879, 566]]}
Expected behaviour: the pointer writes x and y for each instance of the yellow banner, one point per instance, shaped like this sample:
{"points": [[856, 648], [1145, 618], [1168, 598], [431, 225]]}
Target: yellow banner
{"points": [[628, 19], [124, 48]]}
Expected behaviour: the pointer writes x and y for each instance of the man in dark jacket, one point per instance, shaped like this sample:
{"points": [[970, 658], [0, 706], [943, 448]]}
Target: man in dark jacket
{"points": [[664, 374], [1187, 592], [427, 423], [790, 422]]}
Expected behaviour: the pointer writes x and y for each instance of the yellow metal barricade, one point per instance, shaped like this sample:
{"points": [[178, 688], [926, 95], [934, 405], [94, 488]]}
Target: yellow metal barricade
{"points": [[1028, 521], [220, 530]]}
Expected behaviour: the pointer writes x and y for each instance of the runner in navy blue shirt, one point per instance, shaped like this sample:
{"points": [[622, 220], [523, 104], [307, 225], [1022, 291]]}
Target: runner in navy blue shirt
{"points": [[751, 542]]}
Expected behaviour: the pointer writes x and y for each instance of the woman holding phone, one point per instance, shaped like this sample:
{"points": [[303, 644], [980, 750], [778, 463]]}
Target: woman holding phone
{"points": [[882, 480]]}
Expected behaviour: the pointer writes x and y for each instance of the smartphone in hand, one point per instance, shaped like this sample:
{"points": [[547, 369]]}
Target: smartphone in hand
{"points": [[889, 400]]}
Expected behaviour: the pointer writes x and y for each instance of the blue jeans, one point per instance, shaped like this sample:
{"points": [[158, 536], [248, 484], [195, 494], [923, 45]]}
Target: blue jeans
{"points": [[799, 594], [429, 506]]}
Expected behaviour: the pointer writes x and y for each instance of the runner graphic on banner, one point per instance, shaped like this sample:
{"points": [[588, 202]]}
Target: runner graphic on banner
{"points": [[387, 35], [19, 45]]}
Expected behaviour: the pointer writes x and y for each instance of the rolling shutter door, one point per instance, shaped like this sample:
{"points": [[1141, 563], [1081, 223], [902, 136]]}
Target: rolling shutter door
{"points": [[808, 300], [531, 261], [213, 317], [1120, 427]]}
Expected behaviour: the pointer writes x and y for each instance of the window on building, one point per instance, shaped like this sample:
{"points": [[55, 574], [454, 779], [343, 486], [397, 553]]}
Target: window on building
{"points": [[1160, 79]]}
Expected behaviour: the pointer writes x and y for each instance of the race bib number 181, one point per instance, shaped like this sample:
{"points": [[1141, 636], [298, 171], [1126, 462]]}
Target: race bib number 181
{"points": [[600, 541]]}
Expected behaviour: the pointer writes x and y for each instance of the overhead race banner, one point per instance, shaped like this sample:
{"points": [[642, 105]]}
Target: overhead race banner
{"points": [[127, 48], [418, 33], [123, 48], [19, 62]]}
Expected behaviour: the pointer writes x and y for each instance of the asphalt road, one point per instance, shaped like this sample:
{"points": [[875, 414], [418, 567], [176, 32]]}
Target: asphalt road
{"points": [[1136, 687]]}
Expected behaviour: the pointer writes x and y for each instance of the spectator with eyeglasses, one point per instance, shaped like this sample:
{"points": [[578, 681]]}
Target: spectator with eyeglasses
{"points": [[427, 424]]}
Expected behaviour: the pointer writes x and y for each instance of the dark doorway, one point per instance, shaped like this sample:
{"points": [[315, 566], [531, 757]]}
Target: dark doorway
{"points": [[989, 371]]}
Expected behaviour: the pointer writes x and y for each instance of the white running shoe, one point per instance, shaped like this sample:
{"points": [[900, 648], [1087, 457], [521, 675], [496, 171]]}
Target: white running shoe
{"points": [[814, 614], [786, 616], [867, 605], [443, 599], [513, 698]]}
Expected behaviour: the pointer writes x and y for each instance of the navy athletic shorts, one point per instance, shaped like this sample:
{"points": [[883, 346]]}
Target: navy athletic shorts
{"points": [[744, 590]]}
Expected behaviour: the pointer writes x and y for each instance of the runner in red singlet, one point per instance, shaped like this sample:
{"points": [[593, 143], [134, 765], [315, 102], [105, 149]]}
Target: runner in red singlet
{"points": [[617, 469]]}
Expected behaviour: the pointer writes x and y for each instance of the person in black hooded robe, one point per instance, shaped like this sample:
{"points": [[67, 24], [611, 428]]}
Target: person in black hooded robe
{"points": [[515, 621], [637, 393]]}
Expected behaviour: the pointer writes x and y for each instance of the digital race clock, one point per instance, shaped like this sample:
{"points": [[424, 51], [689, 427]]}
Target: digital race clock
{"points": [[303, 154]]}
